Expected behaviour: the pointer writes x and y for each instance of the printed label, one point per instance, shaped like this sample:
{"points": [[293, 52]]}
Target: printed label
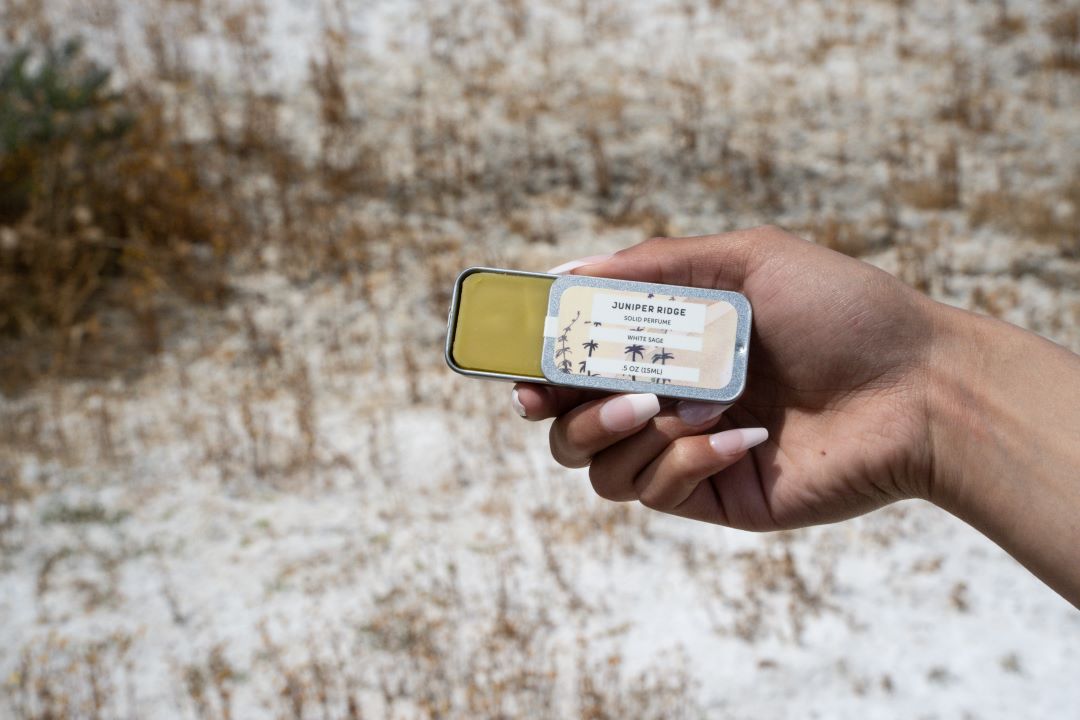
{"points": [[642, 337], [648, 312], [607, 366], [649, 337]]}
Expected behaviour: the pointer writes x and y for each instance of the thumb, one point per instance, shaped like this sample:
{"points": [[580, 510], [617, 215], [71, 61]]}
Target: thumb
{"points": [[722, 262]]}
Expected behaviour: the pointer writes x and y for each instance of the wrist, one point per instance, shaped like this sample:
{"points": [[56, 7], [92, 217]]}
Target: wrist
{"points": [[997, 405], [955, 376], [1003, 419]]}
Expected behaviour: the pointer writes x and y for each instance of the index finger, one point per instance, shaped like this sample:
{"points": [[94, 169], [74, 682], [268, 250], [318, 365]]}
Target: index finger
{"points": [[534, 401]]}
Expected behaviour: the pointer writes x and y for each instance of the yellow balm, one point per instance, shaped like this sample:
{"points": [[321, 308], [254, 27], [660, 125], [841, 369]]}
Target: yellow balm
{"points": [[500, 323]]}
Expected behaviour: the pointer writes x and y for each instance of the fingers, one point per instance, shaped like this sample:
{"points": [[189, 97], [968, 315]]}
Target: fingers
{"points": [[533, 401], [672, 477], [637, 451], [572, 265], [722, 261], [613, 470], [734, 497], [641, 451], [587, 429]]}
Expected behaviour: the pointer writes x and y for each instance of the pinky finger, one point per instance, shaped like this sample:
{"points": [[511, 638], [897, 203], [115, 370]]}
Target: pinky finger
{"points": [[670, 478]]}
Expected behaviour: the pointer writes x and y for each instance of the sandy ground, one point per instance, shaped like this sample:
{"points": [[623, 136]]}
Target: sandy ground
{"points": [[298, 511]]}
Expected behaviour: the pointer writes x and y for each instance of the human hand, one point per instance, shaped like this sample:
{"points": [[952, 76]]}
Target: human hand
{"points": [[838, 355]]}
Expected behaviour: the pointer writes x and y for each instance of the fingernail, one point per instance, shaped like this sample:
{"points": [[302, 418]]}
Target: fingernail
{"points": [[699, 413], [575, 264], [624, 412], [733, 442], [516, 402]]}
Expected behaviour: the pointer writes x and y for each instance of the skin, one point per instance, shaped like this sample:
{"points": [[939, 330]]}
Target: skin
{"points": [[871, 393]]}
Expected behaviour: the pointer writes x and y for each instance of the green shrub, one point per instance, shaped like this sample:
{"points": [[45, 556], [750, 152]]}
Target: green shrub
{"points": [[103, 203]]}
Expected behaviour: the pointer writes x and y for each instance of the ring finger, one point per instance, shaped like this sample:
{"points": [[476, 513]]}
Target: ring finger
{"points": [[613, 470]]}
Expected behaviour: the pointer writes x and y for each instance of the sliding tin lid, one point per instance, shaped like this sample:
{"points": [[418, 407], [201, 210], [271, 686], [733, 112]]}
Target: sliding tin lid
{"points": [[622, 336]]}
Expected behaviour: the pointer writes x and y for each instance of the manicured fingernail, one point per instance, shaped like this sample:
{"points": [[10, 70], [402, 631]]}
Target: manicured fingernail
{"points": [[575, 264], [692, 412], [516, 402], [733, 442], [624, 412]]}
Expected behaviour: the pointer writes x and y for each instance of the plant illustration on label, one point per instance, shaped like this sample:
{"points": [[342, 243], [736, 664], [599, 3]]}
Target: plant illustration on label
{"points": [[566, 364], [662, 357], [635, 352], [590, 347]]}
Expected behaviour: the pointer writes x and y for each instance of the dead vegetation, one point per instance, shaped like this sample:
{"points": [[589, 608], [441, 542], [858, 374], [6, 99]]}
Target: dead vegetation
{"points": [[122, 196], [1052, 219], [1064, 30], [274, 257], [102, 205], [61, 678]]}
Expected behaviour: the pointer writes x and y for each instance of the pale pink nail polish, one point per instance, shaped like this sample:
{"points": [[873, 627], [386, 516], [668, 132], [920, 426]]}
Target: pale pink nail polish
{"points": [[575, 264], [516, 402], [733, 442], [693, 412], [624, 412]]}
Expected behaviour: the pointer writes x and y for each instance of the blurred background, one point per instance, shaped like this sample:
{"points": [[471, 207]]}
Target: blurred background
{"points": [[236, 478]]}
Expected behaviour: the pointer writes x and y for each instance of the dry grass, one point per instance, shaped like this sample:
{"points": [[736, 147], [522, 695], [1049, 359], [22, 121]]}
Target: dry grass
{"points": [[277, 262], [1064, 30], [407, 659], [940, 190], [59, 678], [103, 205], [117, 211], [1045, 218]]}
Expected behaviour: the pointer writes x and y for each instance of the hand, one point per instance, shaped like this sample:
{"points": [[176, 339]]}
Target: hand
{"points": [[867, 392], [837, 384]]}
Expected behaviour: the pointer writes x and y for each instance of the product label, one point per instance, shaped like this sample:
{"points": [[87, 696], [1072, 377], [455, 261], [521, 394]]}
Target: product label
{"points": [[650, 313], [643, 337]]}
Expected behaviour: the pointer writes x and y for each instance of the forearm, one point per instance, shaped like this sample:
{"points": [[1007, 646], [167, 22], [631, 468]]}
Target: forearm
{"points": [[1005, 435]]}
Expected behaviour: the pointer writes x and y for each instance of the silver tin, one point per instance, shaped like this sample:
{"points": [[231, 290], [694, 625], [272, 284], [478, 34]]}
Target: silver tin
{"points": [[728, 394], [554, 376]]}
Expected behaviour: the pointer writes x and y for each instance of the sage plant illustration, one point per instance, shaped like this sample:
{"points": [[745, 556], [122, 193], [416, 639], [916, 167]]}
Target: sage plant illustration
{"points": [[590, 346], [635, 352], [662, 357], [563, 351]]}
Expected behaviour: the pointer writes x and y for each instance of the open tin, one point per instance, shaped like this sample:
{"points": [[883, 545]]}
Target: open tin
{"points": [[599, 333]]}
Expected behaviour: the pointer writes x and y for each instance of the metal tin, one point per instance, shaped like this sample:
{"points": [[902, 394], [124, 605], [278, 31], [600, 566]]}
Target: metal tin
{"points": [[556, 376]]}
